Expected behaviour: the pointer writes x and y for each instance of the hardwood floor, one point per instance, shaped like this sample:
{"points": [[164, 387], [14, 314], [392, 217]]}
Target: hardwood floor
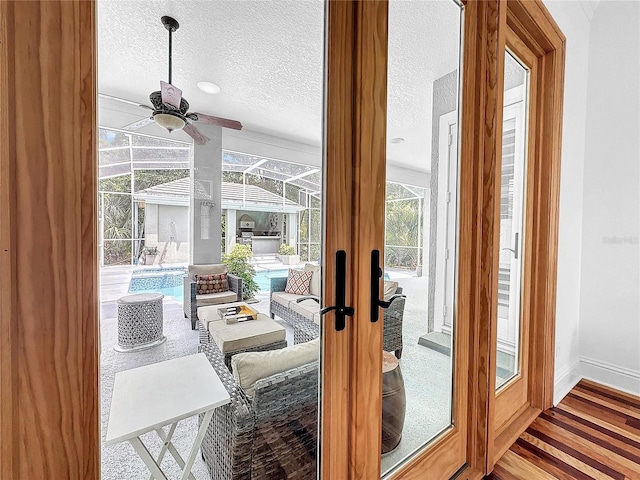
{"points": [[594, 433]]}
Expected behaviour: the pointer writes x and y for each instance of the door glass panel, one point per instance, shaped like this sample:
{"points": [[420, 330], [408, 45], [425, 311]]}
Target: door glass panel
{"points": [[421, 224], [512, 203], [251, 199]]}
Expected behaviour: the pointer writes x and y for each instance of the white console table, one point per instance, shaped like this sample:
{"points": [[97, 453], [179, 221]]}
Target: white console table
{"points": [[148, 398]]}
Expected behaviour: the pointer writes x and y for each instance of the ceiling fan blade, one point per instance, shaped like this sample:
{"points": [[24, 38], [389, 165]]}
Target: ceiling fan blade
{"points": [[170, 94], [222, 122], [118, 99], [194, 133], [143, 122]]}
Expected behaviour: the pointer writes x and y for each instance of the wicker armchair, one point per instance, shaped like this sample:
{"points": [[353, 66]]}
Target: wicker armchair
{"points": [[305, 330], [190, 302], [272, 436]]}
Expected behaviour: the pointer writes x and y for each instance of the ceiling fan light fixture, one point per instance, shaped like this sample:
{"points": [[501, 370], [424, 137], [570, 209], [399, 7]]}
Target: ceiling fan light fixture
{"points": [[208, 87], [168, 121]]}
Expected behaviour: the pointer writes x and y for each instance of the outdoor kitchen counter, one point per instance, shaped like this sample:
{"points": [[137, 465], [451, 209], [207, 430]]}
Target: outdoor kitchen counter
{"points": [[264, 244]]}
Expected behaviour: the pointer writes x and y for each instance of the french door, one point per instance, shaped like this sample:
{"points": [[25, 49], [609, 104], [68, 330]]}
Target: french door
{"points": [[378, 165], [50, 350], [525, 229], [490, 235]]}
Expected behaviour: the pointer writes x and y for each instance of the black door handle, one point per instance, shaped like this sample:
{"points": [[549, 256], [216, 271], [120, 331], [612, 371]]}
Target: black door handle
{"points": [[340, 308], [376, 274]]}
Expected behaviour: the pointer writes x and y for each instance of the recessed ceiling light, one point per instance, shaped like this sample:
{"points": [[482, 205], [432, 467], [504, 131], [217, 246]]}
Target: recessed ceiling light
{"points": [[397, 140], [208, 87]]}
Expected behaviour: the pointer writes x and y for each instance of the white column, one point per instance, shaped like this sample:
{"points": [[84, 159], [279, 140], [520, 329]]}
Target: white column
{"points": [[206, 199], [231, 228], [292, 230]]}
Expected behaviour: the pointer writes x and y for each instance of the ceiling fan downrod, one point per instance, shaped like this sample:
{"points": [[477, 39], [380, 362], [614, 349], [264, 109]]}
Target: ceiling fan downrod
{"points": [[172, 25]]}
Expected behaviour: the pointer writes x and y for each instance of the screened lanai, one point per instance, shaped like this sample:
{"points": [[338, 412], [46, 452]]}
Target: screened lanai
{"points": [[141, 174]]}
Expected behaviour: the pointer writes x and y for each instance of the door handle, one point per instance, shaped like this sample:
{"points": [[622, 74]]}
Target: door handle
{"points": [[514, 250], [340, 308], [376, 274]]}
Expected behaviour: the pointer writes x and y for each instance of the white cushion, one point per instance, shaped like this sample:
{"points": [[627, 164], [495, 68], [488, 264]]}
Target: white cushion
{"points": [[249, 367], [389, 289], [216, 298], [306, 308], [284, 298], [315, 285], [206, 270], [231, 337]]}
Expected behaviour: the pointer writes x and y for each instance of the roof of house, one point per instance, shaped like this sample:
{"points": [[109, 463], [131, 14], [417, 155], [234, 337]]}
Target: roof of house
{"points": [[234, 196]]}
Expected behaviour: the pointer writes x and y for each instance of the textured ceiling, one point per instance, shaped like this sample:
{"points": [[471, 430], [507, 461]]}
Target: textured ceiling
{"points": [[267, 58]]}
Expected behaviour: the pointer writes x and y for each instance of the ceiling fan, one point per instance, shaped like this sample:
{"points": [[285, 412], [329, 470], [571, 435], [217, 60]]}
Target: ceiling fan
{"points": [[171, 110]]}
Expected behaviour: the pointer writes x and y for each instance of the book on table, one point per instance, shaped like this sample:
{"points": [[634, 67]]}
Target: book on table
{"points": [[240, 313]]}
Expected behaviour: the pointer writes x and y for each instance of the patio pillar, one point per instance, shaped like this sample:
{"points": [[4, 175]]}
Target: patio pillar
{"points": [[231, 230], [292, 230], [206, 198]]}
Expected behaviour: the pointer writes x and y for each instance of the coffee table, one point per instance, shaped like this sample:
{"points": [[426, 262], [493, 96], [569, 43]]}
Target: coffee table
{"points": [[148, 398], [250, 336]]}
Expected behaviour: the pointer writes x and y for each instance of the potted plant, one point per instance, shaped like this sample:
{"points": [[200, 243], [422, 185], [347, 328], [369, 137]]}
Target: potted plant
{"points": [[287, 255], [237, 261], [149, 254]]}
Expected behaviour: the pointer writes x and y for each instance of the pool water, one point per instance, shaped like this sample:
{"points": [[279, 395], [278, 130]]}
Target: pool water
{"points": [[263, 277], [168, 281]]}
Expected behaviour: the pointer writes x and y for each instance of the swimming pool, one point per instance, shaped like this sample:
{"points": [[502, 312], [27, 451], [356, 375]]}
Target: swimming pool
{"points": [[263, 277], [168, 281]]}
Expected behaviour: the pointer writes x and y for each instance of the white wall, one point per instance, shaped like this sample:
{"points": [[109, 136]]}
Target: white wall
{"points": [[610, 274], [574, 23]]}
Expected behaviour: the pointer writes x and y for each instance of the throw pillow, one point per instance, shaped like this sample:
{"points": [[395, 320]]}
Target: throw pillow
{"points": [[298, 282], [216, 283]]}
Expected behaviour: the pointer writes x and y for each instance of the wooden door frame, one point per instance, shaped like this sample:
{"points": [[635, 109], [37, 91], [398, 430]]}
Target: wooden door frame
{"points": [[49, 397], [527, 28], [337, 183], [49, 333]]}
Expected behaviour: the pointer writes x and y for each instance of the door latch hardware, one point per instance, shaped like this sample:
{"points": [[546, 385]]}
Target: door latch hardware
{"points": [[340, 308]]}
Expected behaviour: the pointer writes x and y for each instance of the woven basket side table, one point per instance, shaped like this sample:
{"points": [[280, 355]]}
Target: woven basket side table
{"points": [[140, 322]]}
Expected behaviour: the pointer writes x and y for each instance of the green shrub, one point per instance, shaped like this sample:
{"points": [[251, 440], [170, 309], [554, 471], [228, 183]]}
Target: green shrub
{"points": [[286, 250], [237, 262]]}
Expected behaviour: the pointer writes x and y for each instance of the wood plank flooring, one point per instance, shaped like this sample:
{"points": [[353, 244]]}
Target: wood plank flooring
{"points": [[593, 434]]}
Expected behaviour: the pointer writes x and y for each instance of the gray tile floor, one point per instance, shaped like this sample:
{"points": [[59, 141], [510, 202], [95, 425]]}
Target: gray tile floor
{"points": [[427, 376]]}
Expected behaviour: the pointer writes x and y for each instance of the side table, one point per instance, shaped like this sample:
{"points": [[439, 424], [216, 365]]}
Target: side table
{"points": [[140, 322], [393, 402], [148, 398]]}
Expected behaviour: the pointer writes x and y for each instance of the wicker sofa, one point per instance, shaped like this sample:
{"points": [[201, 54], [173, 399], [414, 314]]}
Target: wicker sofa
{"points": [[191, 300], [303, 314], [272, 435]]}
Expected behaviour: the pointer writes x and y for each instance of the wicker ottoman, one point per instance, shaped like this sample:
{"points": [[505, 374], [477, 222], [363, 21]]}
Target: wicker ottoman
{"points": [[251, 336], [139, 322]]}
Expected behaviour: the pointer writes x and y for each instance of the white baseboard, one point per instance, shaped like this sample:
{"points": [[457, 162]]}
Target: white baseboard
{"points": [[620, 378], [565, 381]]}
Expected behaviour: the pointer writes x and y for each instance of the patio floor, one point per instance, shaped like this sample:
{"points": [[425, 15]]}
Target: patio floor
{"points": [[426, 372]]}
